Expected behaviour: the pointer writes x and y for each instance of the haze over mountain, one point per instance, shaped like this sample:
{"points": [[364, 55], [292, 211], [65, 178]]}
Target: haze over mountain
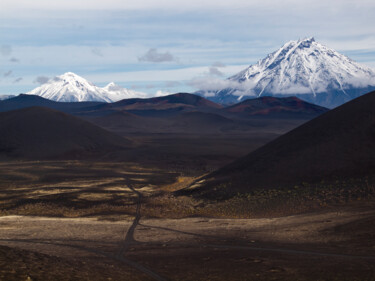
{"points": [[339, 144], [70, 87], [5, 97], [303, 68]]}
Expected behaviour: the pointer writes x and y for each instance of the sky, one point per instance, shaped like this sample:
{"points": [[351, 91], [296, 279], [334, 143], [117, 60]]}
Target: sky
{"points": [[164, 46]]}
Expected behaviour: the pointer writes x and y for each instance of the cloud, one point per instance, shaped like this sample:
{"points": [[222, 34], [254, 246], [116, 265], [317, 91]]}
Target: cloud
{"points": [[8, 73], [153, 55], [214, 71], [97, 52], [41, 80], [211, 84], [218, 64], [162, 93], [6, 50], [56, 79], [13, 59], [19, 79], [172, 84]]}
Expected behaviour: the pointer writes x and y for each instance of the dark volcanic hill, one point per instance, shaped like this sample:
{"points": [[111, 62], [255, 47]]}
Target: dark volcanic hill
{"points": [[339, 144], [191, 114], [276, 107], [163, 105], [42, 133], [24, 101], [202, 123], [123, 122]]}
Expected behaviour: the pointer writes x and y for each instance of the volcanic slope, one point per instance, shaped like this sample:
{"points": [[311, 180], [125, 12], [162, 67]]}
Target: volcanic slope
{"points": [[23, 101], [339, 144], [42, 133], [292, 107], [163, 105]]}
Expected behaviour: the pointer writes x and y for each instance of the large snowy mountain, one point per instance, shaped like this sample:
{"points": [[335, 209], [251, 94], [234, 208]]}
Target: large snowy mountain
{"points": [[303, 68], [70, 87]]}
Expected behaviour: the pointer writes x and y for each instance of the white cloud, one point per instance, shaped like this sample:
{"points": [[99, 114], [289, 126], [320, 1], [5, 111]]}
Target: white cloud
{"points": [[8, 73], [19, 79], [41, 80], [162, 93], [210, 84], [97, 52], [218, 64], [215, 71], [152, 55]]}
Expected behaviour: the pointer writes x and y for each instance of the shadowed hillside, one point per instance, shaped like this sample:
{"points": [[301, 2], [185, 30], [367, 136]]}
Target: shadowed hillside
{"points": [[273, 106], [23, 101], [161, 106], [339, 144], [41, 133]]}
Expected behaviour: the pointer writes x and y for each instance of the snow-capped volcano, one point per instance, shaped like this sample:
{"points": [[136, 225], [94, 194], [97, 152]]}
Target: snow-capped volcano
{"points": [[303, 68], [71, 87]]}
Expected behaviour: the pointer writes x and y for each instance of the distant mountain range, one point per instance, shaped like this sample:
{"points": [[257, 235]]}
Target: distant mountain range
{"points": [[303, 68], [181, 113], [70, 87]]}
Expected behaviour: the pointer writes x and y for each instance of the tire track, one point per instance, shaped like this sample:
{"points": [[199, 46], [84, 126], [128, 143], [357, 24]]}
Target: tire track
{"points": [[129, 240], [129, 236]]}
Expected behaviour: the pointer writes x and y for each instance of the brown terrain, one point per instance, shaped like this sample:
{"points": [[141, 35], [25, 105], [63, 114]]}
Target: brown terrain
{"points": [[143, 205]]}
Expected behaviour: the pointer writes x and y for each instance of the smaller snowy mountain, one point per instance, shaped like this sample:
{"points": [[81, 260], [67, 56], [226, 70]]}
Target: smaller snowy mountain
{"points": [[303, 68], [71, 87], [116, 92]]}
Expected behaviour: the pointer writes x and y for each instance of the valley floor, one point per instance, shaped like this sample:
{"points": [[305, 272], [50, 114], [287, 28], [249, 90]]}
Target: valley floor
{"points": [[116, 221], [313, 246]]}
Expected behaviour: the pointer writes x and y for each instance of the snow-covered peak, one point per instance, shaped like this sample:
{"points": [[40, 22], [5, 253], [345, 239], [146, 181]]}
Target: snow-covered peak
{"points": [[304, 67], [70, 87]]}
